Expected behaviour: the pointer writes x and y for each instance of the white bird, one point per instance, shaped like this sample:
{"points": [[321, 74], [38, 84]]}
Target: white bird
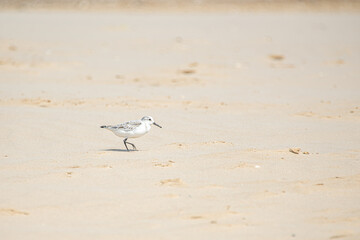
{"points": [[132, 129]]}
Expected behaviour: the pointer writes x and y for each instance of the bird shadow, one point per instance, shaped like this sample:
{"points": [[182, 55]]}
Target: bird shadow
{"points": [[119, 150]]}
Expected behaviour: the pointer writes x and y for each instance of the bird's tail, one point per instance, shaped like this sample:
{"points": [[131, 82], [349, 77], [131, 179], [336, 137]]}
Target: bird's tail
{"points": [[108, 127]]}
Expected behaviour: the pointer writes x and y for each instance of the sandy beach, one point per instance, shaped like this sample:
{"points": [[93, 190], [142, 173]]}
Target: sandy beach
{"points": [[234, 92]]}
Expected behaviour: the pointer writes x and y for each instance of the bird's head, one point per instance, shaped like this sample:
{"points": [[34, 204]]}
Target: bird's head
{"points": [[150, 120]]}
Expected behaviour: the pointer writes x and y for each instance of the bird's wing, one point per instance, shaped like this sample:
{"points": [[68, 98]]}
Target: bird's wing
{"points": [[127, 126]]}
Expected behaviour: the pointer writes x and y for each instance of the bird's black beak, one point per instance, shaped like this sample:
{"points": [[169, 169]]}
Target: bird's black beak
{"points": [[157, 125]]}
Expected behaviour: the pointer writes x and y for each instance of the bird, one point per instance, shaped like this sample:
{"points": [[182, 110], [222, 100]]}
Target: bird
{"points": [[132, 129]]}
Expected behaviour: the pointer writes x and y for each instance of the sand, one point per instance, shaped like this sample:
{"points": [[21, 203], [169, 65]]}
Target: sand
{"points": [[234, 93]]}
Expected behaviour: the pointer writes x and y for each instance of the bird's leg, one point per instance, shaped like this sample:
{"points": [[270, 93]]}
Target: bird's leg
{"points": [[132, 145], [125, 144]]}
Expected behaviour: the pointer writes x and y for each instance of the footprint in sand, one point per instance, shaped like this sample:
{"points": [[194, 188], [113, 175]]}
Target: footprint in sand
{"points": [[10, 211], [176, 182], [276, 57], [165, 164], [75, 166]]}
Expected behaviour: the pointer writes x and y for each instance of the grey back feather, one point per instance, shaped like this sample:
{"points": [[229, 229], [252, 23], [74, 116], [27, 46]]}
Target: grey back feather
{"points": [[127, 126]]}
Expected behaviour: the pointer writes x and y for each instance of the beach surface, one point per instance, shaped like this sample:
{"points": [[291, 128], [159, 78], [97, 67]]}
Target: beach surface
{"points": [[260, 114]]}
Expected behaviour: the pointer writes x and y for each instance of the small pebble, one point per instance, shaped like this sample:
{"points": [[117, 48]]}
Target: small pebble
{"points": [[295, 150]]}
